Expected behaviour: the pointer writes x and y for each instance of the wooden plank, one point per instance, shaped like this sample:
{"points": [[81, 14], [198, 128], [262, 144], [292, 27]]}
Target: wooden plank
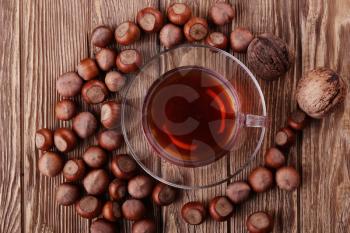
{"points": [[281, 19], [10, 118], [112, 13], [53, 39], [325, 195]]}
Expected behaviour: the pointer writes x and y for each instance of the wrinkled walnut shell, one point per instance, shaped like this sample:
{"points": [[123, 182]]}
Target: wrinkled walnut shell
{"points": [[320, 92], [269, 56]]}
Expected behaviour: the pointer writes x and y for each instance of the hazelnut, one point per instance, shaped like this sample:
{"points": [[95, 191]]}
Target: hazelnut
{"points": [[179, 13], [96, 182], [240, 40], [69, 84], [129, 61], [269, 57], [298, 120], [193, 213], [140, 186], [74, 169], [127, 33], [94, 92], [44, 139], [88, 207], [285, 138], [102, 226], [95, 157], [133, 209], [260, 179], [50, 164], [163, 194], [320, 92], [67, 194], [110, 114], [220, 208], [170, 35], [287, 178], [84, 124], [87, 69], [259, 222], [238, 192], [150, 19], [110, 140], [196, 29], [117, 189], [105, 59], [101, 36], [114, 81], [112, 211], [65, 110], [222, 13], [65, 139], [123, 167], [217, 40], [274, 158], [144, 226]]}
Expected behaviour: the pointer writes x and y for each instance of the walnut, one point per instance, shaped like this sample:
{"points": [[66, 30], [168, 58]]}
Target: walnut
{"points": [[320, 92], [269, 57]]}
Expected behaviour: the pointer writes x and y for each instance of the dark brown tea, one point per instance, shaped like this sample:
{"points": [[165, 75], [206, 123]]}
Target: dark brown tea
{"points": [[189, 116]]}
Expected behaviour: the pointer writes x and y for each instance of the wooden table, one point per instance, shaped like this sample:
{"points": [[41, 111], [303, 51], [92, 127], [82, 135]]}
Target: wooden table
{"points": [[41, 39]]}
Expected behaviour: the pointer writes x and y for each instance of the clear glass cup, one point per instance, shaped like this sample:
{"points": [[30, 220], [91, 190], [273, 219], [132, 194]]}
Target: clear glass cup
{"points": [[250, 121]]}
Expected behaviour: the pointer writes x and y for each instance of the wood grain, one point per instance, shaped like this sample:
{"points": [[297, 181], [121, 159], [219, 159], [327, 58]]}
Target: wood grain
{"points": [[54, 39], [325, 195], [10, 119]]}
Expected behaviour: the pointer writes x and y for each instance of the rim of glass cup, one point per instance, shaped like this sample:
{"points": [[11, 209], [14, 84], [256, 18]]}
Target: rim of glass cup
{"points": [[239, 170]]}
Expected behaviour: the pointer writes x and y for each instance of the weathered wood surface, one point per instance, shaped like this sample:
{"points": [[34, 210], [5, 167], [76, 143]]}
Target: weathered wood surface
{"points": [[42, 39]]}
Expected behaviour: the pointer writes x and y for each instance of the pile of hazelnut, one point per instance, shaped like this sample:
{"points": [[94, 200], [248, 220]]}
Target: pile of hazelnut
{"points": [[319, 93]]}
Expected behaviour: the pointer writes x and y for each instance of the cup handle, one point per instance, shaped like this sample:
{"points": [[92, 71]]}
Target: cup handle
{"points": [[254, 121]]}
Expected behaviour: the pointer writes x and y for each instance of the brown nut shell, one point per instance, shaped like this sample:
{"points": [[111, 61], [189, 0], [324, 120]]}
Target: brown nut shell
{"points": [[217, 40], [133, 209], [288, 178], [105, 59], [65, 109], [65, 139], [196, 29], [320, 92], [274, 158], [163, 194], [124, 167], [222, 13], [117, 189], [115, 81], [298, 120], [110, 140], [88, 207], [95, 157], [74, 169], [101, 36], [110, 114], [193, 213], [170, 35], [102, 226], [220, 208], [259, 222], [285, 138], [150, 19], [67, 194], [69, 84], [44, 139], [144, 226], [96, 182], [240, 39], [140, 186], [112, 211], [260, 179], [238, 192], [94, 92], [50, 164], [84, 124], [127, 33], [87, 69], [129, 60], [269, 57], [179, 13]]}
